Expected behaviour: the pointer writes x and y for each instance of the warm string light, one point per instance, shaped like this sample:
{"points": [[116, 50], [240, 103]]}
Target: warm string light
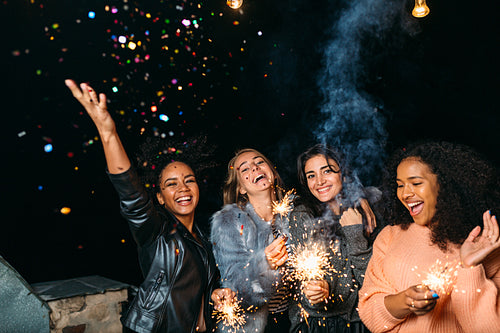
{"points": [[234, 4], [420, 9], [284, 206], [231, 314]]}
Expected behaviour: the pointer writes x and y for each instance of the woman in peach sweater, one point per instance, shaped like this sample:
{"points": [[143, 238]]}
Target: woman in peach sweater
{"points": [[437, 267]]}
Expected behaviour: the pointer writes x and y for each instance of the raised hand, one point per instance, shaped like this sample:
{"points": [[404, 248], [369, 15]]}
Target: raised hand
{"points": [[94, 104], [479, 245], [276, 253], [351, 217], [116, 157]]}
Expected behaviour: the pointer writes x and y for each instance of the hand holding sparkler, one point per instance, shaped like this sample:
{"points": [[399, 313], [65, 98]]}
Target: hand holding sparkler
{"points": [[228, 309], [418, 300], [316, 291], [221, 295], [477, 247], [276, 253]]}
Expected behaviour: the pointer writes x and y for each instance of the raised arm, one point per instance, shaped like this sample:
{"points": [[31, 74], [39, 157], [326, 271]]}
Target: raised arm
{"points": [[95, 105]]}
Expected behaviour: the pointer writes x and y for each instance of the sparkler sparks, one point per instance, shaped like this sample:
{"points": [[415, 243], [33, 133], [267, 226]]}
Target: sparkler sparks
{"points": [[231, 314], [441, 277], [309, 262], [284, 206]]}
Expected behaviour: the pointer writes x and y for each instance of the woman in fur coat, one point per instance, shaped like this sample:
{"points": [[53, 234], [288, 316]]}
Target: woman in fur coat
{"points": [[249, 243]]}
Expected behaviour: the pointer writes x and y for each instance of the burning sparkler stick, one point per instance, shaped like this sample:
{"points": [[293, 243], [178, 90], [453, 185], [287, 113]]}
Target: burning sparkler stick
{"points": [[309, 262], [441, 277], [231, 314], [284, 206]]}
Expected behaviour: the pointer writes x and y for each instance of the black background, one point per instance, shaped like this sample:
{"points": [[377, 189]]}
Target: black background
{"points": [[431, 78]]}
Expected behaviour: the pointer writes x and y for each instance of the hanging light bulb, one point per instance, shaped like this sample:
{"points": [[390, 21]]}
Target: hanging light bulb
{"points": [[234, 4], [420, 9]]}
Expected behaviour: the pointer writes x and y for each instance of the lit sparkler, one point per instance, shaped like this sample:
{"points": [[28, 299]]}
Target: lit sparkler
{"points": [[309, 262], [284, 206], [441, 277], [231, 314]]}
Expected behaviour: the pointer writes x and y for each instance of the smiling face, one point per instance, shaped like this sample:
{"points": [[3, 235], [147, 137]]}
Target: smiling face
{"points": [[254, 174], [179, 192], [417, 190], [324, 179]]}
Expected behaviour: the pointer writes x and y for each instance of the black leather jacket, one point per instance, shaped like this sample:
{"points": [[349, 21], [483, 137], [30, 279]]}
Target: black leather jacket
{"points": [[180, 272]]}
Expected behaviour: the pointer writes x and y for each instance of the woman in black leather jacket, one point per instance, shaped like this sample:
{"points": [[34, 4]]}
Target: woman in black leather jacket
{"points": [[175, 258]]}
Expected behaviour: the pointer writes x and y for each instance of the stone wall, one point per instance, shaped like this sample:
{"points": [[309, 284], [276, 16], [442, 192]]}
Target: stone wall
{"points": [[91, 304], [90, 314]]}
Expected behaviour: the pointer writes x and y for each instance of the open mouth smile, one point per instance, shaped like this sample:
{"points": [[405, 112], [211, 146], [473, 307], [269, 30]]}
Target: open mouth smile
{"points": [[185, 200], [324, 189], [416, 207], [259, 177]]}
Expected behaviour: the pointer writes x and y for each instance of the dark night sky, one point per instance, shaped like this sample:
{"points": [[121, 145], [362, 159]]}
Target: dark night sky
{"points": [[249, 78]]}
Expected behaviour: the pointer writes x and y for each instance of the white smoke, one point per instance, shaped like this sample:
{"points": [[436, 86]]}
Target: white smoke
{"points": [[352, 120]]}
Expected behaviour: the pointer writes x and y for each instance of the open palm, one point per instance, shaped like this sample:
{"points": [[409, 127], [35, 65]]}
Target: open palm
{"points": [[479, 245]]}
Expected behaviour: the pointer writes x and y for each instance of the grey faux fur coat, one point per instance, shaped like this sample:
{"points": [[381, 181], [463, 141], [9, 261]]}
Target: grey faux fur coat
{"points": [[239, 237]]}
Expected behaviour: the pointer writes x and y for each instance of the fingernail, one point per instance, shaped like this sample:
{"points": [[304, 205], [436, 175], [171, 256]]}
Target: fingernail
{"points": [[435, 295]]}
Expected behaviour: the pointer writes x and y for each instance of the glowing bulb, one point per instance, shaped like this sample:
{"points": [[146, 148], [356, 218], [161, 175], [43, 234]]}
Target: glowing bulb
{"points": [[234, 4], [65, 210], [420, 9]]}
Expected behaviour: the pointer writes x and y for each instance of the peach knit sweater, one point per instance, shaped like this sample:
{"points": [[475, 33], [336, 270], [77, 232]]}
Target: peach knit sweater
{"points": [[402, 258]]}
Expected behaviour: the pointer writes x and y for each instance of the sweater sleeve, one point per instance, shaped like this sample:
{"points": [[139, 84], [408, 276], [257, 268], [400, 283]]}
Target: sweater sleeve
{"points": [[350, 266], [475, 298], [376, 287], [359, 251], [243, 269]]}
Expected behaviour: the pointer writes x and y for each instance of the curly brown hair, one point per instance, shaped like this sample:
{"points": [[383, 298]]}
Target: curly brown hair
{"points": [[468, 186]]}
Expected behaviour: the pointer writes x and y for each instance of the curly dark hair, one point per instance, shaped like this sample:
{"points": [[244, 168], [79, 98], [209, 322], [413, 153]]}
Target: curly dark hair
{"points": [[468, 186], [155, 154], [351, 192]]}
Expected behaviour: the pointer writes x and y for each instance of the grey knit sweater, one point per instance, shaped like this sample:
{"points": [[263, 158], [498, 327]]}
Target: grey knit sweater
{"points": [[349, 252]]}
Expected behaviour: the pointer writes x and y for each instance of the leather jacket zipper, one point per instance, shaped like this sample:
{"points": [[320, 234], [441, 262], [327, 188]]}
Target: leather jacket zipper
{"points": [[154, 290]]}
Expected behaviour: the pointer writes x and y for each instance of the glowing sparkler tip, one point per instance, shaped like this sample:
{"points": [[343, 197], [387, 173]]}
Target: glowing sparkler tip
{"points": [[309, 262], [231, 314], [441, 278], [284, 206]]}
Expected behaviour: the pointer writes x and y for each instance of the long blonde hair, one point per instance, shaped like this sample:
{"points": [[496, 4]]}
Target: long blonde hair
{"points": [[231, 189]]}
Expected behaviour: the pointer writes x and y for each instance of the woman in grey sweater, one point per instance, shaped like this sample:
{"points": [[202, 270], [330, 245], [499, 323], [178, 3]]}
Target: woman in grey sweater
{"points": [[332, 216]]}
